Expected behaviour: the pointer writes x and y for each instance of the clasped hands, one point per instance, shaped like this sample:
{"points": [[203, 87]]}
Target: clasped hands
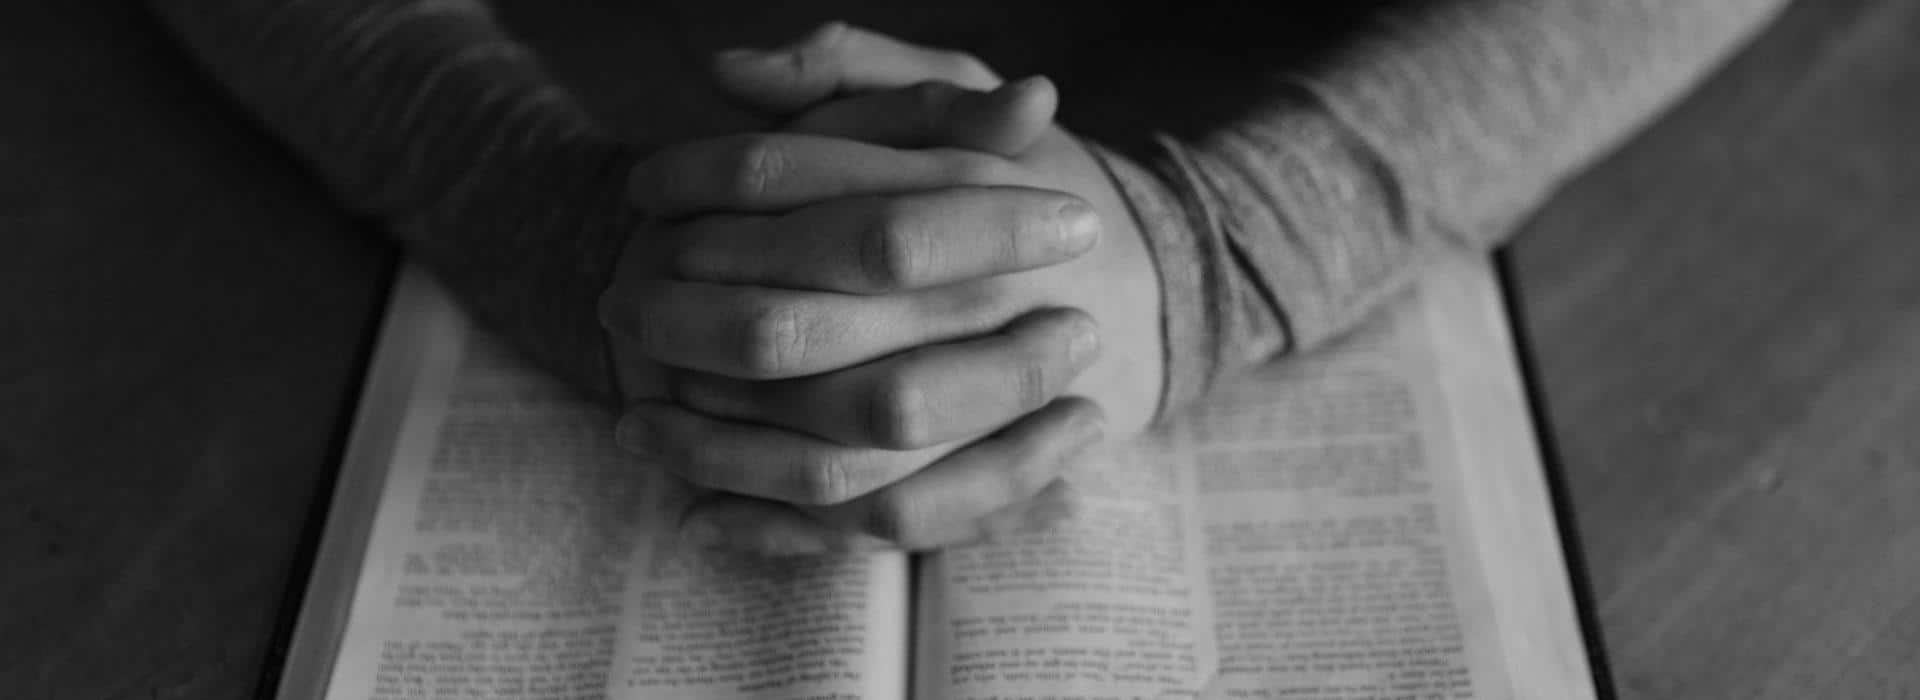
{"points": [[891, 323]]}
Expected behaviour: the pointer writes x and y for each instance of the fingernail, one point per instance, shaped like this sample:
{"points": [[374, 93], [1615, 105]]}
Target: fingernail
{"points": [[754, 61], [1027, 84], [701, 534], [1085, 342], [1010, 91], [1079, 228]]}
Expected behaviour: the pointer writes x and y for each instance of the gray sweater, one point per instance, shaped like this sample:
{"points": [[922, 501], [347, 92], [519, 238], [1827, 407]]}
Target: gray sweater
{"points": [[1439, 126]]}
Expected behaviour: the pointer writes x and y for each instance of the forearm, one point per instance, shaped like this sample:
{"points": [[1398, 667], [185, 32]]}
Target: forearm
{"points": [[1440, 129], [425, 116]]}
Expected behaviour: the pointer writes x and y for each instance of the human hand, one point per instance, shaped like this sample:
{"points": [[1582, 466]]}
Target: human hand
{"points": [[780, 297], [1115, 283]]}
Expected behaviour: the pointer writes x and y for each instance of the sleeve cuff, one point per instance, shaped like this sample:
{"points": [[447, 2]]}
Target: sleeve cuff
{"points": [[1186, 266]]}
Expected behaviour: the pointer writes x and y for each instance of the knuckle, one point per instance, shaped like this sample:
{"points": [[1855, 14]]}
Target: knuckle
{"points": [[897, 415], [831, 35], [757, 165], [824, 479], [775, 340], [818, 58], [1032, 384], [898, 253]]}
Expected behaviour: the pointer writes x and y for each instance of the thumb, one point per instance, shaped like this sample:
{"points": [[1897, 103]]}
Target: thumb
{"points": [[1004, 121], [838, 59]]}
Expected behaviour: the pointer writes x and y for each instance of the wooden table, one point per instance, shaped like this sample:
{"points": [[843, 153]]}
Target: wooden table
{"points": [[1726, 320]]}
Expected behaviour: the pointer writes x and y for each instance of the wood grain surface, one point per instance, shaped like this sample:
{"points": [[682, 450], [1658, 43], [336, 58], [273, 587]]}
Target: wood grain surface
{"points": [[1726, 319], [1725, 316]]}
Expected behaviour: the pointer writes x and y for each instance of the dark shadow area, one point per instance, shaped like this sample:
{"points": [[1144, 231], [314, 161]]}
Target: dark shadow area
{"points": [[1125, 70], [1183, 68]]}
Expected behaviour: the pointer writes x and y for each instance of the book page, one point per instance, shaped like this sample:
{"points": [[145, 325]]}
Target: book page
{"points": [[711, 625], [1347, 525], [1365, 521], [1339, 563], [1509, 507], [515, 551], [1108, 603]]}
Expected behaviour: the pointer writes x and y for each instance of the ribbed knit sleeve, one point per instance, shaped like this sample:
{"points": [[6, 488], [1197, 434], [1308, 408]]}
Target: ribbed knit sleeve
{"points": [[1438, 129], [424, 116]]}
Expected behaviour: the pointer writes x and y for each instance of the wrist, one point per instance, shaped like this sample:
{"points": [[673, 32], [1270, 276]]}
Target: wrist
{"points": [[1176, 256], [529, 242]]}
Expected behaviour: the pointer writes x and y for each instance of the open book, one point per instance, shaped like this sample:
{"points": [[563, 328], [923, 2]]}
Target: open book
{"points": [[1367, 521]]}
